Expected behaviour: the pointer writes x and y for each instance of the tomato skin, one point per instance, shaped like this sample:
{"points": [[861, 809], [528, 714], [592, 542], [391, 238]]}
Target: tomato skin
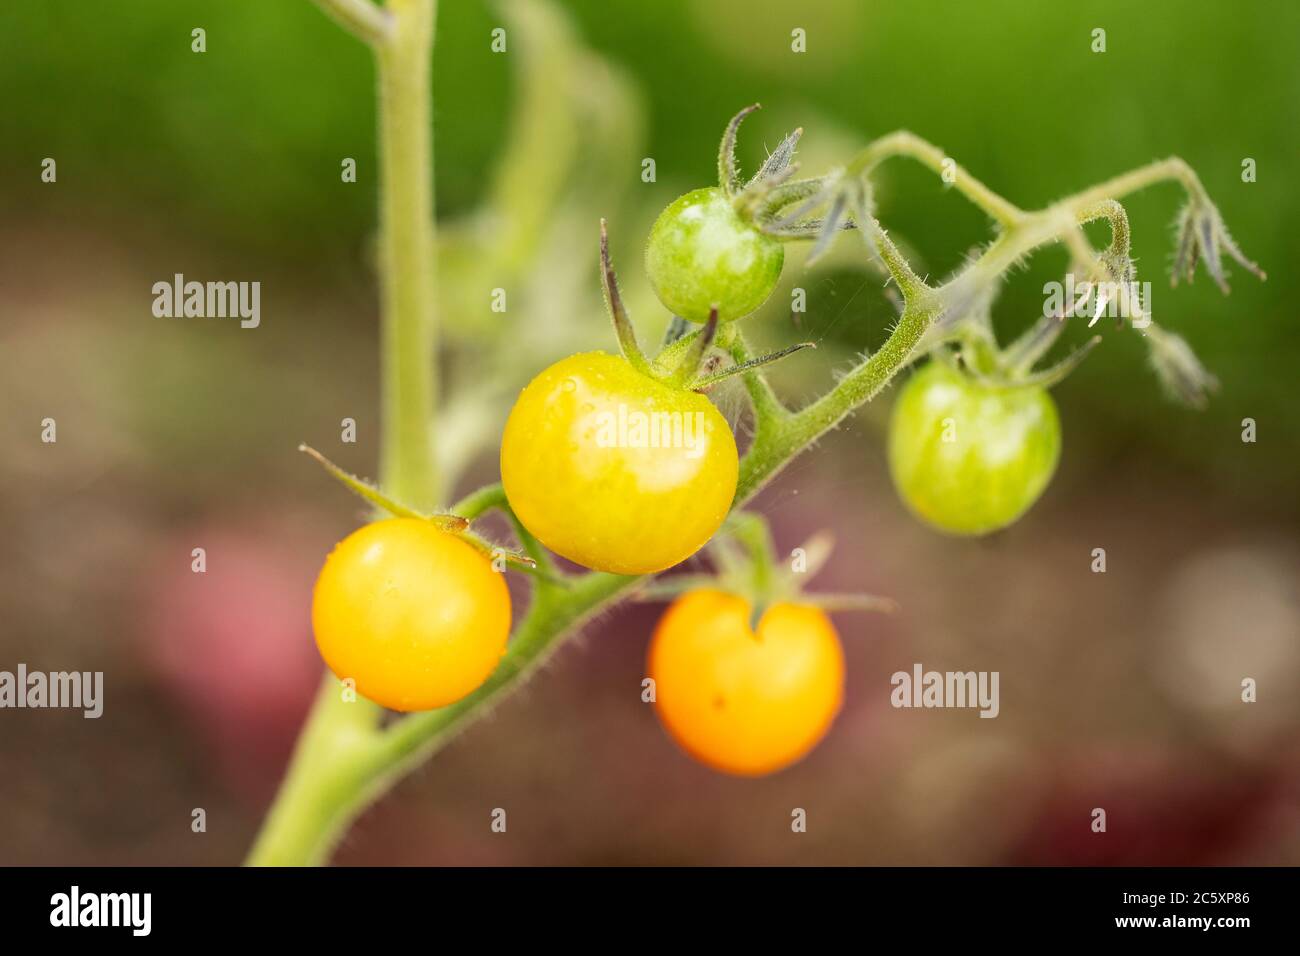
{"points": [[416, 616], [1005, 447], [581, 484], [741, 702], [701, 253]]}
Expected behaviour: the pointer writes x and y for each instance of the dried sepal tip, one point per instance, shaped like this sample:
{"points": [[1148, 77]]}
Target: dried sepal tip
{"points": [[1202, 236], [1178, 368]]}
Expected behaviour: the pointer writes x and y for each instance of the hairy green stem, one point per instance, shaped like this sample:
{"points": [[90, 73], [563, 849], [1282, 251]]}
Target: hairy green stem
{"points": [[1122, 185], [367, 21], [903, 143], [328, 781], [767, 406], [407, 467], [774, 449]]}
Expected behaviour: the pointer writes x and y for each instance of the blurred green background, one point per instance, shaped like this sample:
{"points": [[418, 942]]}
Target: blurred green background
{"points": [[239, 147], [226, 164]]}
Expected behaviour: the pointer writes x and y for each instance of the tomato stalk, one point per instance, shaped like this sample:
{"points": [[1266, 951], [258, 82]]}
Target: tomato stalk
{"points": [[324, 787], [329, 778], [754, 535], [407, 256], [369, 22]]}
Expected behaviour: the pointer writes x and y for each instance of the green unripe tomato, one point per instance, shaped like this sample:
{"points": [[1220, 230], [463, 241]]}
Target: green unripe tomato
{"points": [[701, 253], [970, 459]]}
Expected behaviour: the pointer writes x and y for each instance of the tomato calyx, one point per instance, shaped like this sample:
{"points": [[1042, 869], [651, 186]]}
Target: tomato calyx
{"points": [[982, 363], [449, 523], [970, 348], [747, 566], [751, 200], [687, 360], [676, 368], [1203, 237], [773, 201]]}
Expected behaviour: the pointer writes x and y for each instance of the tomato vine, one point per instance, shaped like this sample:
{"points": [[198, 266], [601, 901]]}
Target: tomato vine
{"points": [[347, 755]]}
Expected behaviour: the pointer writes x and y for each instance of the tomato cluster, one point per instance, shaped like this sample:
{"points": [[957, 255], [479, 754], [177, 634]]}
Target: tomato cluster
{"points": [[622, 464]]}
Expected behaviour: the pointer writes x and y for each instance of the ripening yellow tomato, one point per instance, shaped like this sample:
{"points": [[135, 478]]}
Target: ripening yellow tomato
{"points": [[615, 470], [416, 616], [742, 701]]}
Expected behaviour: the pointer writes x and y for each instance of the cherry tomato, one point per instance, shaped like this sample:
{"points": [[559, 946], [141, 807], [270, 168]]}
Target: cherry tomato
{"points": [[968, 458], [701, 253], [615, 470], [416, 616], [745, 702]]}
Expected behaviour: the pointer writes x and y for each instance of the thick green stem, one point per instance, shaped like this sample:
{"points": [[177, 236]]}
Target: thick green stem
{"points": [[329, 778], [325, 783], [774, 448], [367, 21], [407, 467]]}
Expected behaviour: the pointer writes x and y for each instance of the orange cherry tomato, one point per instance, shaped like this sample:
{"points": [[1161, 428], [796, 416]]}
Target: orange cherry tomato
{"points": [[745, 702], [416, 616]]}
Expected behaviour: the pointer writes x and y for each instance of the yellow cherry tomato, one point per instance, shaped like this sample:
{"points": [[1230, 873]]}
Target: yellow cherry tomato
{"points": [[416, 616], [615, 470], [742, 702]]}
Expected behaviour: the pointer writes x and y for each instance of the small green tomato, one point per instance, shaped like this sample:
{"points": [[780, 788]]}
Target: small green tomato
{"points": [[702, 253], [967, 458]]}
